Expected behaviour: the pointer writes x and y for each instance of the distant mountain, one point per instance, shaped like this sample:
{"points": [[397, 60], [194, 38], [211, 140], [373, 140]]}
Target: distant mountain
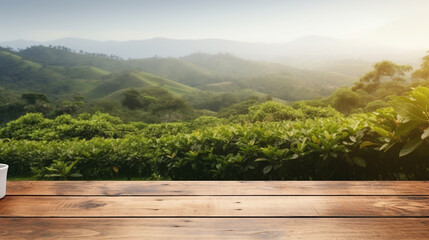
{"points": [[227, 65], [302, 52], [63, 72], [21, 75], [277, 80], [160, 47], [20, 44]]}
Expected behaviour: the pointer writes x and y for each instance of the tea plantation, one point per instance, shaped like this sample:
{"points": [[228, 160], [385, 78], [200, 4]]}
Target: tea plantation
{"points": [[272, 142]]}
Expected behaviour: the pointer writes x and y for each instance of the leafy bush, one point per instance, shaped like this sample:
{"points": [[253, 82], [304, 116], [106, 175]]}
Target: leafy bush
{"points": [[317, 112], [407, 127], [272, 111], [33, 126], [391, 143]]}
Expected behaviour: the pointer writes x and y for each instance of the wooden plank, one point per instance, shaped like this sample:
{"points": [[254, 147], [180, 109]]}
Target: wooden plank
{"points": [[214, 206], [197, 229], [218, 188]]}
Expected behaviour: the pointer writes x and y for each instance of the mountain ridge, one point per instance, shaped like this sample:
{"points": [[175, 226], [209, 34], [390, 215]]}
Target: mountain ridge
{"points": [[206, 72], [308, 48]]}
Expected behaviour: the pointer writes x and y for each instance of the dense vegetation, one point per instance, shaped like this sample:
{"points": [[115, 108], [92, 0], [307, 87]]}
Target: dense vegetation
{"points": [[73, 115], [205, 82], [272, 141]]}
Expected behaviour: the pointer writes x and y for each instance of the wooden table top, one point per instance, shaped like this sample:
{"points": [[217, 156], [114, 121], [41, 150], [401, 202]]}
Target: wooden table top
{"points": [[215, 210]]}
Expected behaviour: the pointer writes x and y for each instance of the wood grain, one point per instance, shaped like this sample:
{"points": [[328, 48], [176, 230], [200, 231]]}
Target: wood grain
{"points": [[243, 188], [214, 206], [215, 210], [196, 229]]}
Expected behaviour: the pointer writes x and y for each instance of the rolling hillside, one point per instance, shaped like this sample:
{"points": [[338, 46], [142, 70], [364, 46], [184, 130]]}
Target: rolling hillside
{"points": [[116, 83], [59, 71], [18, 74]]}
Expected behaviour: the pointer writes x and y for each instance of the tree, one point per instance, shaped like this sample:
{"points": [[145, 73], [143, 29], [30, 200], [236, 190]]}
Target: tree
{"points": [[132, 99], [135, 100], [33, 98], [423, 72], [345, 100], [384, 69], [36, 102]]}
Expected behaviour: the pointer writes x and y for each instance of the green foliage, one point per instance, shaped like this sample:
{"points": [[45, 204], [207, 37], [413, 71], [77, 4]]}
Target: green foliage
{"points": [[374, 105], [384, 69], [238, 108], [400, 134], [345, 100], [211, 148], [69, 107], [133, 100], [60, 169], [412, 120], [273, 111], [33, 126], [423, 72], [32, 98], [259, 140], [317, 112]]}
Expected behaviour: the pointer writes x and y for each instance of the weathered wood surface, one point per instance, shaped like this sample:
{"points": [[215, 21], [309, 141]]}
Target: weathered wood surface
{"points": [[215, 210], [203, 229], [215, 206], [239, 188]]}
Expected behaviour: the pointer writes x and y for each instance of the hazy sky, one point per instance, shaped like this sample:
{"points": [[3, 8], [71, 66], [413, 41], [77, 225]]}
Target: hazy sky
{"points": [[243, 20]]}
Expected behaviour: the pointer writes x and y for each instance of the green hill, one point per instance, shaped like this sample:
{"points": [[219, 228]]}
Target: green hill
{"points": [[19, 74], [226, 65], [23, 75], [116, 83], [68, 58], [174, 69], [277, 80], [60, 71]]}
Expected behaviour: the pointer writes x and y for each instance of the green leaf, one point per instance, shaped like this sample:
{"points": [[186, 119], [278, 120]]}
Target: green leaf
{"points": [[425, 133], [314, 139], [381, 131], [409, 110], [327, 135], [359, 161], [76, 175], [410, 147], [267, 169], [421, 98], [69, 168], [423, 90], [405, 128], [261, 160], [366, 144], [385, 147], [315, 146]]}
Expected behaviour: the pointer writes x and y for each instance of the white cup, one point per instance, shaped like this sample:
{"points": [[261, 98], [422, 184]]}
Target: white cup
{"points": [[3, 177]]}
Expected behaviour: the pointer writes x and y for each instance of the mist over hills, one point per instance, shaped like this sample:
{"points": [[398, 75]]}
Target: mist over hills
{"points": [[309, 52], [61, 73]]}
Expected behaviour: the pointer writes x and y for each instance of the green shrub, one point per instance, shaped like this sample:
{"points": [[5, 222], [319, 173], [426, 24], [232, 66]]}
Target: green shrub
{"points": [[389, 144], [33, 126], [272, 112]]}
